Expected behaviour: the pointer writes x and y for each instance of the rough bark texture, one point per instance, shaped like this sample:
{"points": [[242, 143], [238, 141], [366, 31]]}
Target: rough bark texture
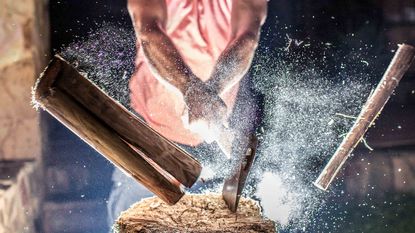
{"points": [[193, 213], [113, 131]]}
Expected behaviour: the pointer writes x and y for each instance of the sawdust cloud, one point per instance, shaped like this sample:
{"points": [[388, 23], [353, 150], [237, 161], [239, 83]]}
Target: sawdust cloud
{"points": [[302, 90], [107, 58]]}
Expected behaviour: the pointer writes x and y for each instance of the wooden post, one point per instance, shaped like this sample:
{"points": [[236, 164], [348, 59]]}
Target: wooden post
{"points": [[113, 131], [397, 68]]}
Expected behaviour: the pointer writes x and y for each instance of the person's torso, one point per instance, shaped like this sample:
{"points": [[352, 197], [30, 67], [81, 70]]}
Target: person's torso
{"points": [[200, 30]]}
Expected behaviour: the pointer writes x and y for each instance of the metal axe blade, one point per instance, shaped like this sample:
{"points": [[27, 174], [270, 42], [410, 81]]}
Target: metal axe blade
{"points": [[233, 186]]}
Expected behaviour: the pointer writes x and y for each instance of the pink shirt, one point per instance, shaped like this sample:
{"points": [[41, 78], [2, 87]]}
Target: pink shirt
{"points": [[200, 30]]}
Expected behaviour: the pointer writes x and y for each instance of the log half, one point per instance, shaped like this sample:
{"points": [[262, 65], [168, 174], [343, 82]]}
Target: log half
{"points": [[113, 131]]}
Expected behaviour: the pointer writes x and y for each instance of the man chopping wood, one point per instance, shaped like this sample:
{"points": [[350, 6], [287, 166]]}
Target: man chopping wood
{"points": [[191, 58]]}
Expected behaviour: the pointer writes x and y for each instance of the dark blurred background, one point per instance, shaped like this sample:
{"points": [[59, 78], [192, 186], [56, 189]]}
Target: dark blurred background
{"points": [[77, 180]]}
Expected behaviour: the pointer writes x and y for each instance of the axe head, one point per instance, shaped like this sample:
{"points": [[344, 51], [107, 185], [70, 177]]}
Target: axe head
{"points": [[233, 186]]}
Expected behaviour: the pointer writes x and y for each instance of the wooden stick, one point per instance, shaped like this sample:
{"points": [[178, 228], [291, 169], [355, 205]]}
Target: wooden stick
{"points": [[374, 105], [97, 131]]}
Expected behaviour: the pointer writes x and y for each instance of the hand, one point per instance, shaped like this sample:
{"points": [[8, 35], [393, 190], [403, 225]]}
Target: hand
{"points": [[206, 111]]}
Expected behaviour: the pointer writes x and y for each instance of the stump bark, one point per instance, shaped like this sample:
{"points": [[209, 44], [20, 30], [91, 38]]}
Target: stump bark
{"points": [[205, 213]]}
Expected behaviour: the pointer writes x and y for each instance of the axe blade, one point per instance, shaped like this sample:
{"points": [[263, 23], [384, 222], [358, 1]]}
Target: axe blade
{"points": [[234, 185]]}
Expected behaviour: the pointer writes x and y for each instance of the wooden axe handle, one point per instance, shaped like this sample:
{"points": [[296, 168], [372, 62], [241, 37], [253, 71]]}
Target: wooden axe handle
{"points": [[374, 105]]}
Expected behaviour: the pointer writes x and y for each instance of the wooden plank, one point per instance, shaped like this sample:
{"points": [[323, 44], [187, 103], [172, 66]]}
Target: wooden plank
{"points": [[132, 129], [397, 68], [101, 137]]}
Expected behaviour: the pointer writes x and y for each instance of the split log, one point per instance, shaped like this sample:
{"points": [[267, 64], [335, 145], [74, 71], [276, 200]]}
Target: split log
{"points": [[374, 105], [112, 130], [205, 213]]}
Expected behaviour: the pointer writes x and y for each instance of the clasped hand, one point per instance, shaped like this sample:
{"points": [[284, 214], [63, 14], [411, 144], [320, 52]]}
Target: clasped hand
{"points": [[206, 112]]}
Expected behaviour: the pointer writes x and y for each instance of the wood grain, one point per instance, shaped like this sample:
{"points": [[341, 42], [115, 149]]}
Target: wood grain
{"points": [[118, 135], [374, 105], [132, 129], [110, 145], [205, 213]]}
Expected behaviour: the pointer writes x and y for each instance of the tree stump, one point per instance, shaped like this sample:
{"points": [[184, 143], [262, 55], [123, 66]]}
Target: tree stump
{"points": [[197, 213]]}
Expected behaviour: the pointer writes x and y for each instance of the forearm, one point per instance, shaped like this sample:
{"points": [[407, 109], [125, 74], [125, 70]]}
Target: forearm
{"points": [[149, 20], [165, 61], [246, 20], [234, 62]]}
